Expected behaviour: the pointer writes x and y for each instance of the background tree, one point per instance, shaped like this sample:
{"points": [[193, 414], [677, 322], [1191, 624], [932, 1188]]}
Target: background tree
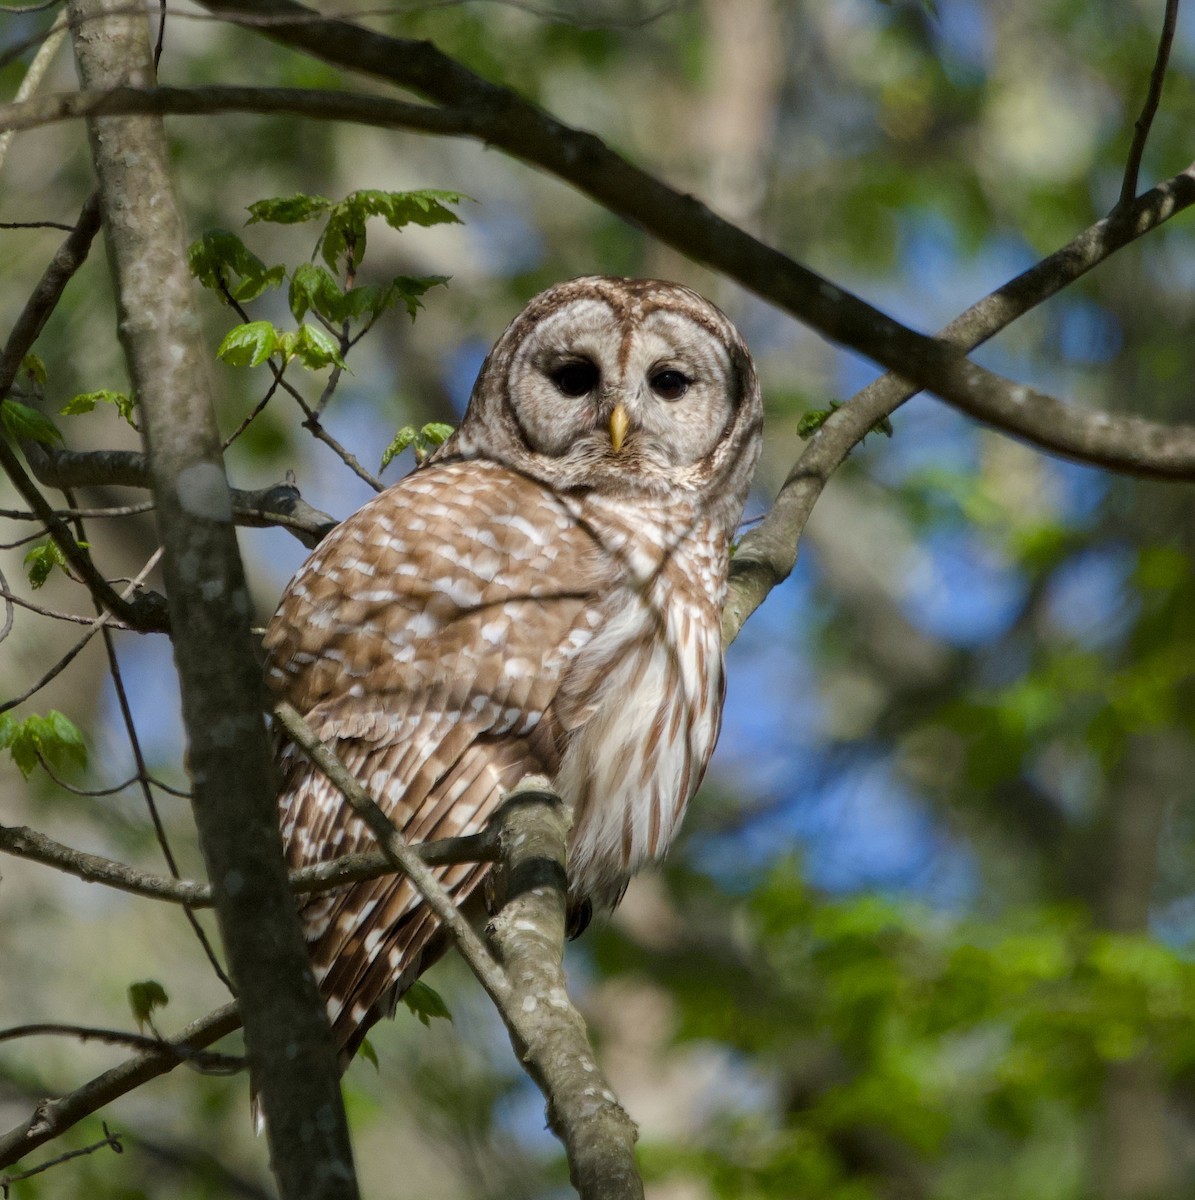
{"points": [[928, 931]]}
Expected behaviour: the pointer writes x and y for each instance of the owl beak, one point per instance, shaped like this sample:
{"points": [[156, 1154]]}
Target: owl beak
{"points": [[619, 424]]}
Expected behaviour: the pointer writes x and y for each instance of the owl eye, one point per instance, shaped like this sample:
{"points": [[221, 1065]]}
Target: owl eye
{"points": [[576, 378], [669, 385]]}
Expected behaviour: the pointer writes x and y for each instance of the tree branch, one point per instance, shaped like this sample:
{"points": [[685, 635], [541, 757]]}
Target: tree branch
{"points": [[289, 1042], [1149, 109], [767, 554], [549, 1034], [50, 1118], [22, 842], [279, 504], [473, 107], [528, 988]]}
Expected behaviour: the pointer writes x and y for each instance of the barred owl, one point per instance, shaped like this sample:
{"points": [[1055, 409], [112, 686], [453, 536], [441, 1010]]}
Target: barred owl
{"points": [[543, 595]]}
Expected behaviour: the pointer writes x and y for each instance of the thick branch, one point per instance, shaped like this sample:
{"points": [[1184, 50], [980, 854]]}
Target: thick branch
{"points": [[499, 117], [286, 1031], [502, 118], [22, 842], [549, 1035]]}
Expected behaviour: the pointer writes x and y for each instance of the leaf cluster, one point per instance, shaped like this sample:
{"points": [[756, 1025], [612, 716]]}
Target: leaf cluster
{"points": [[52, 737]]}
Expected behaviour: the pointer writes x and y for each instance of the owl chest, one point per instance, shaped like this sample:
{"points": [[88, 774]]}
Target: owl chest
{"points": [[648, 727]]}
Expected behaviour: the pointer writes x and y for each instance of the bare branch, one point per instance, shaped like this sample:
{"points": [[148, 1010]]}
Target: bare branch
{"points": [[278, 504], [768, 553], [35, 72], [50, 1118], [97, 624], [397, 851], [22, 842], [1153, 97], [69, 258], [546, 1030], [91, 514], [474, 107], [203, 1060], [109, 1139]]}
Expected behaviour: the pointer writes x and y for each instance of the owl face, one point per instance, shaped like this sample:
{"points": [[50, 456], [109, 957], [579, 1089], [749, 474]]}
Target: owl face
{"points": [[588, 384], [622, 385]]}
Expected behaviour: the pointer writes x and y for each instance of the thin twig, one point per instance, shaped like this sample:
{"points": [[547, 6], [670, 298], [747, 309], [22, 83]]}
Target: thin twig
{"points": [[312, 422], [122, 510], [205, 1060], [23, 541], [99, 623], [109, 1139], [42, 611], [52, 1117], [1144, 122], [114, 789], [34, 75], [33, 224], [151, 804], [9, 612], [258, 408]]}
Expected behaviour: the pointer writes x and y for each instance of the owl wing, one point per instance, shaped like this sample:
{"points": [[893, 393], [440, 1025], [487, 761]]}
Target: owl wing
{"points": [[425, 641]]}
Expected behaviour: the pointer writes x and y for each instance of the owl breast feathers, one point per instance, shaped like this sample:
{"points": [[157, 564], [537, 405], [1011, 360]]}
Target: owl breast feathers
{"points": [[544, 596]]}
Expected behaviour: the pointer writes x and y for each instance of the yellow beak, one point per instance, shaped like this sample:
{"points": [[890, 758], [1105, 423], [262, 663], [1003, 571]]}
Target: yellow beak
{"points": [[619, 424]]}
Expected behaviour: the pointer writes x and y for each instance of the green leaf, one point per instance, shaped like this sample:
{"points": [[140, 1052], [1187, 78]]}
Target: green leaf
{"points": [[435, 433], [220, 257], [288, 210], [815, 418], [314, 348], [410, 289], [40, 561], [34, 369], [54, 737], [367, 1052], [312, 286], [425, 1002], [248, 345], [344, 234], [408, 435], [21, 421], [144, 997], [86, 401]]}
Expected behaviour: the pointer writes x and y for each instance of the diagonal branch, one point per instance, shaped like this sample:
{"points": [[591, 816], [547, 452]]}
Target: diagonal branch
{"points": [[767, 555], [528, 986], [52, 1117], [473, 107]]}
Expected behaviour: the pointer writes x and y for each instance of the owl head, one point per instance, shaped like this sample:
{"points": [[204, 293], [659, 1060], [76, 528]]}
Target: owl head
{"points": [[630, 387]]}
